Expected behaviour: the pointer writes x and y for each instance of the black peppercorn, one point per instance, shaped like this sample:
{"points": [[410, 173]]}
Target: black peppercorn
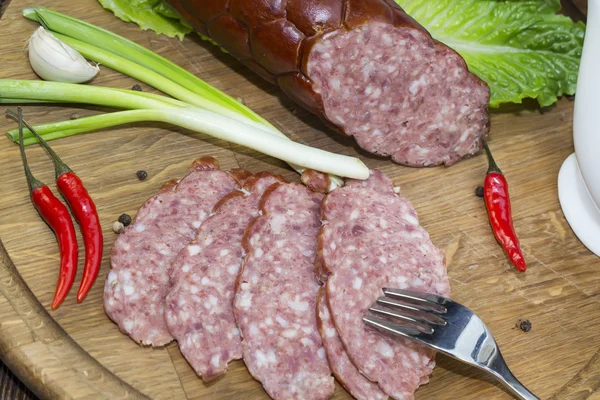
{"points": [[479, 191], [125, 219], [141, 175], [136, 87], [525, 326]]}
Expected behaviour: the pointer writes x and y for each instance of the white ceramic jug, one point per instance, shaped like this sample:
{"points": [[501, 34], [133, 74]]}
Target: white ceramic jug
{"points": [[579, 176]]}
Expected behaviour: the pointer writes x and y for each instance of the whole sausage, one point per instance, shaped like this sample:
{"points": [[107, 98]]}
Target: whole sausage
{"points": [[364, 67]]}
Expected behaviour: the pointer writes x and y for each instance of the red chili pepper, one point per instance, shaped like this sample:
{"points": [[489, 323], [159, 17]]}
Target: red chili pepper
{"points": [[497, 203], [57, 217], [85, 213]]}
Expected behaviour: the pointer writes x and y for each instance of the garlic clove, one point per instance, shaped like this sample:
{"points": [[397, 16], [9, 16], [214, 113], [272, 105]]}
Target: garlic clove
{"points": [[54, 60]]}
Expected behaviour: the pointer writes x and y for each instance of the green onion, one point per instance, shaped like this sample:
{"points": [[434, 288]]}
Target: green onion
{"points": [[26, 101], [51, 136], [62, 129], [148, 107], [40, 91], [146, 75], [87, 94], [118, 45], [250, 135]]}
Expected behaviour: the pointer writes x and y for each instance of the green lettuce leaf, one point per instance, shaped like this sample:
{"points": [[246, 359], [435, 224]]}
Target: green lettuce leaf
{"points": [[154, 15], [149, 14], [521, 48], [162, 9]]}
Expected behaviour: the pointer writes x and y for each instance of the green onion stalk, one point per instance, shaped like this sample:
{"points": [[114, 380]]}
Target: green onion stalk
{"points": [[151, 108]]}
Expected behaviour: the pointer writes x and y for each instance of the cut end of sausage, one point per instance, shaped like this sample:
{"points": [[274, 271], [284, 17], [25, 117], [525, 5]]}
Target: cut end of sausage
{"points": [[401, 94]]}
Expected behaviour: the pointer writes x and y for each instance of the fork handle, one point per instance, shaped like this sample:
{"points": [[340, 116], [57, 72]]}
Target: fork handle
{"points": [[517, 387], [500, 370]]}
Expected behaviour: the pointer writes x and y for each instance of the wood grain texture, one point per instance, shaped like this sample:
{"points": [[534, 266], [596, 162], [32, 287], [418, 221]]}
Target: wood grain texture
{"points": [[78, 352]]}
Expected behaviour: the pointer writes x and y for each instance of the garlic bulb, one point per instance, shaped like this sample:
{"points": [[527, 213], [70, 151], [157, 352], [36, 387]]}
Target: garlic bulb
{"points": [[54, 60]]}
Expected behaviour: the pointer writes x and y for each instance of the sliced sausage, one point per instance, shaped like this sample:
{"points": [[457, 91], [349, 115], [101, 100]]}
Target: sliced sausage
{"points": [[275, 301], [138, 282], [344, 371], [199, 306]]}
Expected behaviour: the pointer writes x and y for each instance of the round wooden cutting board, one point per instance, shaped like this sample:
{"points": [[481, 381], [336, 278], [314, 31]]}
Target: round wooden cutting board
{"points": [[77, 352]]}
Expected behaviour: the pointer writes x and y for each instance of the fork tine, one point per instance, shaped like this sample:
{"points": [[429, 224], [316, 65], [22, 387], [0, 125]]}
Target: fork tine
{"points": [[421, 323], [435, 303], [416, 311], [389, 327]]}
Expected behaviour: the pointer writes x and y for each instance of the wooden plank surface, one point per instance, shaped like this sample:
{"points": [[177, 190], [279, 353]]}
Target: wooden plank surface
{"points": [[78, 352]]}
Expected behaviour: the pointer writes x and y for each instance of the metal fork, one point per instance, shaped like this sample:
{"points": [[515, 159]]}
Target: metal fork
{"points": [[446, 326]]}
